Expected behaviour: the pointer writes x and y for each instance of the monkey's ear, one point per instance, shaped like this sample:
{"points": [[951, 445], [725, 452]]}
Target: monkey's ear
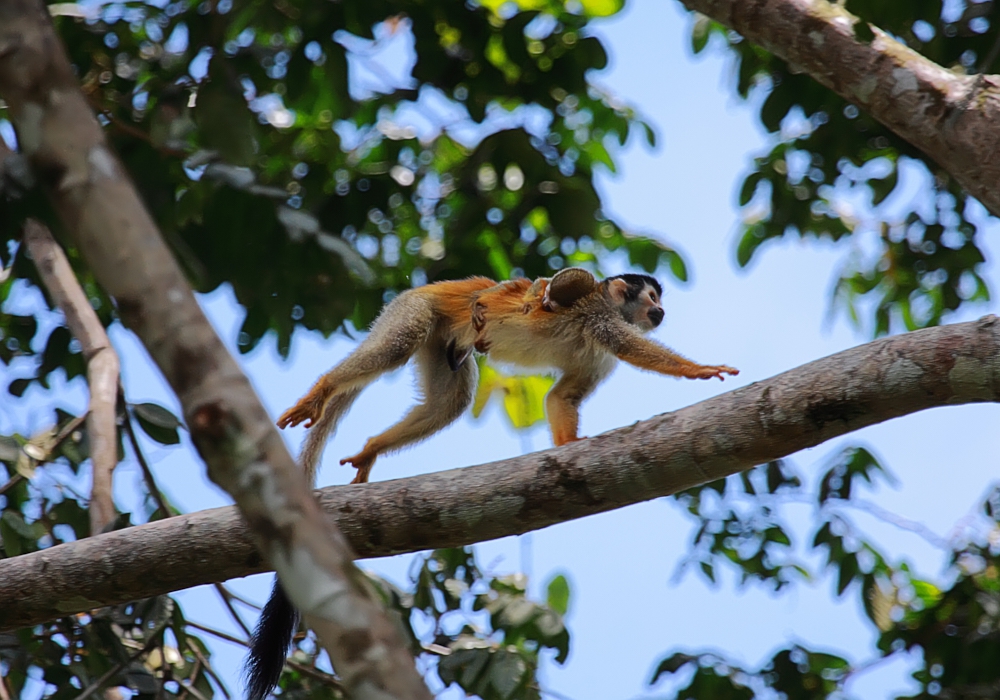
{"points": [[569, 286], [617, 289]]}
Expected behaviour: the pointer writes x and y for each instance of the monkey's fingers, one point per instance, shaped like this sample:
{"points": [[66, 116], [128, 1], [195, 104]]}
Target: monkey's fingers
{"points": [[711, 371]]}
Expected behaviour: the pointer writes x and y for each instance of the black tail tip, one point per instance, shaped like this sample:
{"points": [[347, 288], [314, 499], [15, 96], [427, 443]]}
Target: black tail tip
{"points": [[270, 643]]}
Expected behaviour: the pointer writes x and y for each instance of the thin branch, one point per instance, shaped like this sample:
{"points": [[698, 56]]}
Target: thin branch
{"points": [[314, 672], [102, 365], [217, 633], [227, 600], [952, 118], [209, 670], [157, 495], [755, 424], [147, 473], [887, 516]]}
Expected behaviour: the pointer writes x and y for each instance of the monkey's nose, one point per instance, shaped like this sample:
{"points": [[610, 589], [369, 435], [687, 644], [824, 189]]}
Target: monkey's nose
{"points": [[655, 316]]}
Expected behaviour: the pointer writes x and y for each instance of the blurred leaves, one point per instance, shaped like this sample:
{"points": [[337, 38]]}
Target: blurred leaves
{"points": [[523, 395], [282, 154], [832, 172], [123, 646]]}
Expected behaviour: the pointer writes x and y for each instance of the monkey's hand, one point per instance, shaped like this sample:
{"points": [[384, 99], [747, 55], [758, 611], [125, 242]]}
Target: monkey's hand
{"points": [[309, 409], [710, 371], [363, 462], [479, 325]]}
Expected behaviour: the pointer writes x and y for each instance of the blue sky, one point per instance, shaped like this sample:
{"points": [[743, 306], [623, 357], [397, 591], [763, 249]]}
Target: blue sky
{"points": [[627, 608]]}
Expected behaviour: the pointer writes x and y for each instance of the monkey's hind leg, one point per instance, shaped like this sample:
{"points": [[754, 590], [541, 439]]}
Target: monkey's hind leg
{"points": [[447, 394], [402, 327]]}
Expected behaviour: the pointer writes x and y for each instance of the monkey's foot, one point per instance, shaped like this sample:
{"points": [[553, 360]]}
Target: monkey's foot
{"points": [[710, 371], [565, 440], [309, 409], [363, 462]]}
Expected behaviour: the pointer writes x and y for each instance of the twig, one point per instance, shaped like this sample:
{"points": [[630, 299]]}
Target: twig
{"points": [[240, 599], [217, 633], [4, 693], [9, 484], [130, 129], [208, 669], [900, 522], [147, 473], [102, 365], [327, 678], [227, 600], [314, 672]]}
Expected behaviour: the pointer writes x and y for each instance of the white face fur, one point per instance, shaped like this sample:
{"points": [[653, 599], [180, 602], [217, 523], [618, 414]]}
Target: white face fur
{"points": [[642, 308]]}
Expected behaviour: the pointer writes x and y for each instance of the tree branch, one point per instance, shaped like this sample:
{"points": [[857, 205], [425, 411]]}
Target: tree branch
{"points": [[767, 420], [954, 119], [102, 365], [111, 228]]}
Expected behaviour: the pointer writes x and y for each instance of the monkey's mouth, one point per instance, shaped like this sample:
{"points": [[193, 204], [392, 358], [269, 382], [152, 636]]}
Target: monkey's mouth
{"points": [[655, 317]]}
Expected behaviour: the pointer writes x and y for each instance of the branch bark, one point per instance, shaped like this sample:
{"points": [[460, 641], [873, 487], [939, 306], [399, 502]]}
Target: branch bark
{"points": [[954, 119], [102, 366], [109, 225], [767, 420]]}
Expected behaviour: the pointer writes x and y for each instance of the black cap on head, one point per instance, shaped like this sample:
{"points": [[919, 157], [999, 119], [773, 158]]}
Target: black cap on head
{"points": [[635, 284]]}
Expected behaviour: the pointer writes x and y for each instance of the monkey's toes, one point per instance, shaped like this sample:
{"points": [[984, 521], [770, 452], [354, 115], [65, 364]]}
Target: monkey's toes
{"points": [[297, 414], [363, 463]]}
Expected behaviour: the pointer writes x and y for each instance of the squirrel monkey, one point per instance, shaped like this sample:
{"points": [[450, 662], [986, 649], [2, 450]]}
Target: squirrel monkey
{"points": [[570, 322]]}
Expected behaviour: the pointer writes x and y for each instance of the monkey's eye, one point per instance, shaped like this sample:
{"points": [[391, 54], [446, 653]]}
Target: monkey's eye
{"points": [[652, 297]]}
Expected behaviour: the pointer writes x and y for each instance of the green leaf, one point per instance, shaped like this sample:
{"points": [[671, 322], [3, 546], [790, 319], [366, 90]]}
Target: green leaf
{"points": [[157, 422], [157, 415], [558, 594], [700, 32], [601, 8], [672, 664]]}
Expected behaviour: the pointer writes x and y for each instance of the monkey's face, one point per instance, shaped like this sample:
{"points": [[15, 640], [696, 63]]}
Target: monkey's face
{"points": [[638, 298]]}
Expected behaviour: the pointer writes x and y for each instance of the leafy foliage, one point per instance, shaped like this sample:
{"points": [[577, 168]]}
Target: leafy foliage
{"points": [[480, 633], [833, 172], [281, 153], [122, 646]]}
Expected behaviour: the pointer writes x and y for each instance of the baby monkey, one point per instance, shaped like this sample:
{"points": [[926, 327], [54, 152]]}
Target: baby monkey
{"points": [[571, 323]]}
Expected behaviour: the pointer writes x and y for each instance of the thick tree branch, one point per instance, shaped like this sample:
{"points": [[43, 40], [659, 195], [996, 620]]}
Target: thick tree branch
{"points": [[102, 366], [767, 420], [102, 212], [954, 119]]}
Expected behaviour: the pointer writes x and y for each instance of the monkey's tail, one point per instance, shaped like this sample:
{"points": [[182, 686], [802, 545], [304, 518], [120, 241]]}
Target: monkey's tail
{"points": [[279, 619], [270, 643]]}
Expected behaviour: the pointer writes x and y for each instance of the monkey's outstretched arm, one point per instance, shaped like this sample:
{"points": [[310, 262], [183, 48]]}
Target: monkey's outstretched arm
{"points": [[648, 354]]}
